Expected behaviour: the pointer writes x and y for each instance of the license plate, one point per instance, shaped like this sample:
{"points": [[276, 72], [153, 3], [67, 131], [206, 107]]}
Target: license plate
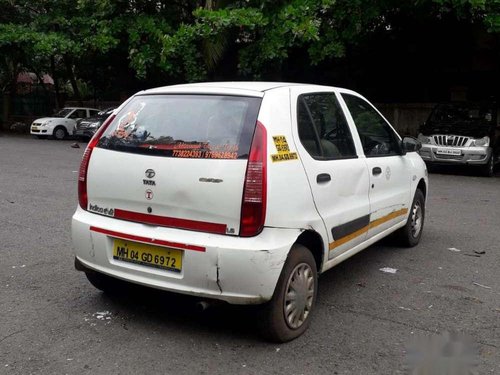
{"points": [[34, 128], [448, 151], [148, 255]]}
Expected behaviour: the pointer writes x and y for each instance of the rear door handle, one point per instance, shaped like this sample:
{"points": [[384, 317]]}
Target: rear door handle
{"points": [[323, 177], [376, 171]]}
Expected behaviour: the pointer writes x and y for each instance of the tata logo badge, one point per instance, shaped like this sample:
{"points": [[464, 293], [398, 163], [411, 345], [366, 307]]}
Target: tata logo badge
{"points": [[150, 173], [450, 139], [149, 194]]}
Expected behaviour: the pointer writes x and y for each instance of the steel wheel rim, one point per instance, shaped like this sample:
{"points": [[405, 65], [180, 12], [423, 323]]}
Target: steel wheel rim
{"points": [[416, 219], [299, 295], [59, 134]]}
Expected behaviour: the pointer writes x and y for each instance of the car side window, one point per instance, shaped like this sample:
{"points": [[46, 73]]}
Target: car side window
{"points": [[93, 113], [377, 137], [322, 126], [79, 113]]}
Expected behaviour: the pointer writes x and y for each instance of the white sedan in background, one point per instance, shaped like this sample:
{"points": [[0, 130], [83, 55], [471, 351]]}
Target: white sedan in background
{"points": [[61, 124]]}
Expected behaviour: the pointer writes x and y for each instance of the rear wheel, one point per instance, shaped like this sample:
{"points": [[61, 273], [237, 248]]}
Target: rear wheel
{"points": [[288, 313], [103, 282], [410, 234], [59, 133]]}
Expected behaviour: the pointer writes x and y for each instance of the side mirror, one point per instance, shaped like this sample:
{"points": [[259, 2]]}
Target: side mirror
{"points": [[410, 144]]}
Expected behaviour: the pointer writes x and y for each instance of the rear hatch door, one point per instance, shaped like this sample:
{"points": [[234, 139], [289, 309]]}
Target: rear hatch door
{"points": [[176, 160]]}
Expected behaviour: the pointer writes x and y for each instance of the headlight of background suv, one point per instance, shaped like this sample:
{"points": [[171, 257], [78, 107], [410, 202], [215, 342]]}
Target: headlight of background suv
{"points": [[93, 125], [485, 141], [423, 138]]}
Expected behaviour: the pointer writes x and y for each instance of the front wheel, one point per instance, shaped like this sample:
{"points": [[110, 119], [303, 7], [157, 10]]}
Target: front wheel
{"points": [[488, 170], [59, 133], [410, 234], [288, 314]]}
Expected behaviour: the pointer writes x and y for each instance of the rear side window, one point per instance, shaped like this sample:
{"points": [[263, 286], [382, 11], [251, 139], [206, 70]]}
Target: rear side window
{"points": [[79, 113], [323, 129], [185, 126]]}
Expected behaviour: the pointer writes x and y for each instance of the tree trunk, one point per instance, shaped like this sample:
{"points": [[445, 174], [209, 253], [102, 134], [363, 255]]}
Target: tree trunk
{"points": [[72, 79], [56, 82]]}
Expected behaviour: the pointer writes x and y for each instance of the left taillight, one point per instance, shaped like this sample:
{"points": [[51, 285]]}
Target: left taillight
{"points": [[84, 165], [253, 206]]}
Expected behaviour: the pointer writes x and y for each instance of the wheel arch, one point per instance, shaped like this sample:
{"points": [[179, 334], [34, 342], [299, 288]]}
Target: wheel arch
{"points": [[313, 241], [422, 186]]}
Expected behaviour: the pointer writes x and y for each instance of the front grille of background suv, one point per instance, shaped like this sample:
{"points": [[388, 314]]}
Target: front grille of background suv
{"points": [[450, 140], [83, 125]]}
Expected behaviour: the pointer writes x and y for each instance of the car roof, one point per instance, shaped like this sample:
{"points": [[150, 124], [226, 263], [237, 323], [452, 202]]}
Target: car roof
{"points": [[253, 88], [94, 109]]}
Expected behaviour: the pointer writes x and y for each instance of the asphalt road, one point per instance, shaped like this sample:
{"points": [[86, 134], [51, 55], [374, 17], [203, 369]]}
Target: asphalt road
{"points": [[52, 321]]}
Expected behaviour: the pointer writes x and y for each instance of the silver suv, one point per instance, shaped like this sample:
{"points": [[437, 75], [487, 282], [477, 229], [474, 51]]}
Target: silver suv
{"points": [[462, 133]]}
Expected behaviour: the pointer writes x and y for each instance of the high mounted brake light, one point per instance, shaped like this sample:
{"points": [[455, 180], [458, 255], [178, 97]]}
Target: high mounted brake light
{"points": [[82, 175], [253, 206]]}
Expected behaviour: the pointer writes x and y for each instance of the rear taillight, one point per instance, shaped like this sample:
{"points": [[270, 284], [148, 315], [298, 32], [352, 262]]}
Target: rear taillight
{"points": [[82, 175], [253, 207]]}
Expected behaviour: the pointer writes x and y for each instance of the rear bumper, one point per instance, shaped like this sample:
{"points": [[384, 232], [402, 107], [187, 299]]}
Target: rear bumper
{"points": [[468, 155], [233, 269]]}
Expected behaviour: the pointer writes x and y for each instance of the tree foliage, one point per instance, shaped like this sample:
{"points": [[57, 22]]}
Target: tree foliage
{"points": [[181, 40]]}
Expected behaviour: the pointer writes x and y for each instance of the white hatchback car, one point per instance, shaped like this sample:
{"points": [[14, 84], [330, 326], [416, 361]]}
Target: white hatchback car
{"points": [[243, 192], [61, 124]]}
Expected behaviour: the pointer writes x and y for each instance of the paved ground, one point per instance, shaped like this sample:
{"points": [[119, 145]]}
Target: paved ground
{"points": [[54, 322]]}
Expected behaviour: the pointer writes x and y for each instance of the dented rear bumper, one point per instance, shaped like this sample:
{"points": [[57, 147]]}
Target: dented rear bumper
{"points": [[229, 268]]}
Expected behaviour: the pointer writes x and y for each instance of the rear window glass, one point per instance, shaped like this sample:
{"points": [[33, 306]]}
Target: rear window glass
{"points": [[185, 126]]}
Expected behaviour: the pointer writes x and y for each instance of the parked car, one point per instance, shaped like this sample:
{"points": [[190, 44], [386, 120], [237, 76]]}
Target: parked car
{"points": [[86, 128], [61, 124], [462, 133], [243, 192]]}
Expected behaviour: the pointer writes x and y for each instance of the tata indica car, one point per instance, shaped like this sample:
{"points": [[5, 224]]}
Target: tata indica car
{"points": [[243, 192], [61, 124], [462, 133]]}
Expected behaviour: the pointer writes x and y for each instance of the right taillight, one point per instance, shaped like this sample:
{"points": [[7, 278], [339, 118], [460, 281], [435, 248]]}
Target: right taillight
{"points": [[253, 207], [82, 175]]}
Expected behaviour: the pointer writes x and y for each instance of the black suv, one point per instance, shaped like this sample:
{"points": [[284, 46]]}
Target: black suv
{"points": [[85, 128]]}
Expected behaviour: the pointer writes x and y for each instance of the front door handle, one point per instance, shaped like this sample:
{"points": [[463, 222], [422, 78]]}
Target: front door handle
{"points": [[323, 177], [376, 171]]}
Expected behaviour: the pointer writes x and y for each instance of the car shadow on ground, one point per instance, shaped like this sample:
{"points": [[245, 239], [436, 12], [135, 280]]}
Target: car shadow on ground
{"points": [[169, 312]]}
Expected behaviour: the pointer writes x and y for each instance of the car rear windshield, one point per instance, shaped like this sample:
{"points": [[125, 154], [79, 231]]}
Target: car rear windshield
{"points": [[63, 112], [184, 126]]}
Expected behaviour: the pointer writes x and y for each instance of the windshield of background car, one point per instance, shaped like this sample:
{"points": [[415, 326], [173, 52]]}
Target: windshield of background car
{"points": [[462, 113], [184, 126], [106, 112], [63, 112]]}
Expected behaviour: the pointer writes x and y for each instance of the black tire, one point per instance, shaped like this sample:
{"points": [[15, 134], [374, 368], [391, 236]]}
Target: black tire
{"points": [[488, 170], [103, 282], [300, 267], [59, 133], [408, 235]]}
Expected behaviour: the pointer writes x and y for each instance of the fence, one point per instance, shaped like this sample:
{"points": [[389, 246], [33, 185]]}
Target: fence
{"points": [[406, 117]]}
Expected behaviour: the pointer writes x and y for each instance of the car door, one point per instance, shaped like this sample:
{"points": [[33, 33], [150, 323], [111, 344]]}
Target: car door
{"points": [[338, 178], [389, 171]]}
